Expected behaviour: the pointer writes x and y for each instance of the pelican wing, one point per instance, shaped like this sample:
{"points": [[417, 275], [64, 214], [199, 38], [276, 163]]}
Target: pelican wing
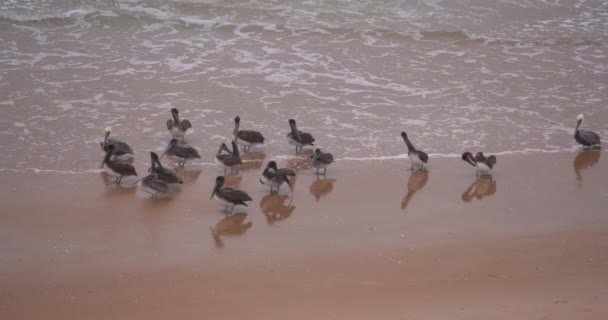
{"points": [[185, 124], [169, 124], [186, 152], [250, 136], [235, 196], [167, 175], [468, 157], [491, 161], [124, 169], [286, 172], [306, 138], [423, 156], [587, 138], [326, 158], [120, 147], [154, 183], [229, 159]]}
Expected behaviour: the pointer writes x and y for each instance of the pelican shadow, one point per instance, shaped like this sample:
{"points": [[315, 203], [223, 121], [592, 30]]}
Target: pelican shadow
{"points": [[417, 181], [233, 225], [584, 160], [482, 186]]}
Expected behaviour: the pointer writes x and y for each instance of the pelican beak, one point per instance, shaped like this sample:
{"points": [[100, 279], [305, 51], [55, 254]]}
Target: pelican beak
{"points": [[102, 162]]}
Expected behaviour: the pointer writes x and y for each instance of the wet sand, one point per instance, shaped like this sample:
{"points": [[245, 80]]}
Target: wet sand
{"points": [[371, 241]]}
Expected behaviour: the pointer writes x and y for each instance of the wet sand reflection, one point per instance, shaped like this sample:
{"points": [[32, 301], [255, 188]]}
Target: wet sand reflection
{"points": [[274, 208], [583, 160], [231, 225], [417, 181], [482, 186]]}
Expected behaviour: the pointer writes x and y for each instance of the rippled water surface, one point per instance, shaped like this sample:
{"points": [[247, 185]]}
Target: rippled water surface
{"points": [[502, 76]]}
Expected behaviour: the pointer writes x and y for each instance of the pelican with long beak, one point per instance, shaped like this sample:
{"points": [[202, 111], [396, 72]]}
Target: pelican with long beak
{"points": [[483, 164], [230, 160], [274, 177], [320, 160], [417, 157], [228, 197], [115, 168], [163, 174], [180, 153], [176, 127], [122, 151], [298, 138], [152, 185], [585, 137], [246, 138]]}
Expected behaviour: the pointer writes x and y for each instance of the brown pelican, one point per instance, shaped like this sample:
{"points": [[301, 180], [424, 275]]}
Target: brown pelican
{"points": [[299, 138], [176, 127], [320, 160], [274, 177], [163, 174], [122, 151], [228, 197], [115, 168], [481, 162], [152, 185], [417, 158], [246, 138], [585, 137], [180, 152], [230, 160]]}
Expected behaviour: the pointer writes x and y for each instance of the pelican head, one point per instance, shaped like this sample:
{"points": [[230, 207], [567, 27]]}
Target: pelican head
{"points": [[219, 182], [292, 122], [272, 165], [109, 152], [174, 111], [580, 117], [172, 144]]}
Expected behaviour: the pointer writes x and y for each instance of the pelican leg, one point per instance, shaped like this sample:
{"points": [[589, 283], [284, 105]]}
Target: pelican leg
{"points": [[119, 179], [225, 171], [324, 171]]}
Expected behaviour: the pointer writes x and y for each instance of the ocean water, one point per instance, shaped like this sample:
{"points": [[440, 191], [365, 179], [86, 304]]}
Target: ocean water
{"points": [[497, 76]]}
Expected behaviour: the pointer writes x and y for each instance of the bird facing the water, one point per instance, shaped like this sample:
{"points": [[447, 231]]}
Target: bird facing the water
{"points": [[163, 174], [585, 137], [320, 160], [122, 151], [228, 197], [176, 126], [246, 138], [483, 164], [299, 138], [417, 157], [115, 168], [180, 153], [230, 160], [274, 177]]}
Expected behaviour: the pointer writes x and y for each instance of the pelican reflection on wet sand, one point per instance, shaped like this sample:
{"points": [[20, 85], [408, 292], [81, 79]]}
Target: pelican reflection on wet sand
{"points": [[231, 225], [417, 181], [276, 208], [583, 161], [482, 186], [321, 187]]}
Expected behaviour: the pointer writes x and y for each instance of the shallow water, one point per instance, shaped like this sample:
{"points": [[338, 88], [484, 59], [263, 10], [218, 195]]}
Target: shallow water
{"points": [[506, 77]]}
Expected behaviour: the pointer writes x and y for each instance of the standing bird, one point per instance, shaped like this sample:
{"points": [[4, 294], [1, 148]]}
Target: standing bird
{"points": [[481, 162], [163, 174], [228, 197], [122, 151], [230, 160], [114, 168], [299, 138], [176, 127], [274, 177], [180, 152], [152, 185], [417, 158], [321, 160], [246, 138], [585, 137]]}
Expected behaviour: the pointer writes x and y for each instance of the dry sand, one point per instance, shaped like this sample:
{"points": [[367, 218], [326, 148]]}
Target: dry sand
{"points": [[371, 241]]}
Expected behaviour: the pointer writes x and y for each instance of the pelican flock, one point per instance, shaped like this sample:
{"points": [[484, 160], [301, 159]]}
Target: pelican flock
{"points": [[118, 155]]}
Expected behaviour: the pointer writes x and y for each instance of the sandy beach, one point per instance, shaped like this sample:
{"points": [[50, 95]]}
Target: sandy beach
{"points": [[371, 240]]}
